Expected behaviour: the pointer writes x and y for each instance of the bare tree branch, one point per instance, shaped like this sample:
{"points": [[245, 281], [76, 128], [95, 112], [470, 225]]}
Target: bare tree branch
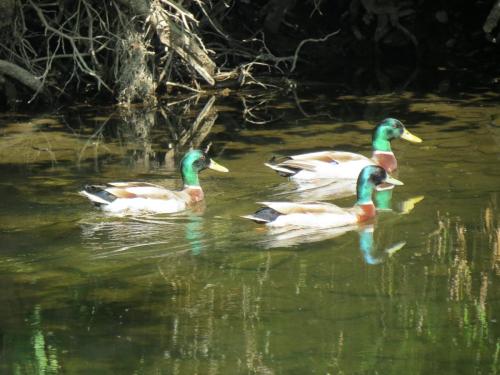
{"points": [[301, 44]]}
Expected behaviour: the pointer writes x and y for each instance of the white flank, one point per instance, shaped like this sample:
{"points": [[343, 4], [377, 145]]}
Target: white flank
{"points": [[137, 205]]}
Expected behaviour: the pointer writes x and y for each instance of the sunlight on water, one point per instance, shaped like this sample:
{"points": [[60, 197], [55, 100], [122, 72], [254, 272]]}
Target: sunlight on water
{"points": [[207, 292]]}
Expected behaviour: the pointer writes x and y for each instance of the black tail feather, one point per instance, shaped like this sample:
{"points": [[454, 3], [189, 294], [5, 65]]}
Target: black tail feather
{"points": [[276, 159], [266, 214], [99, 191]]}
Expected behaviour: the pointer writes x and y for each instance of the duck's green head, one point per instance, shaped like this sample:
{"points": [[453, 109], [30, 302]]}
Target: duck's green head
{"points": [[194, 162], [369, 177], [390, 129]]}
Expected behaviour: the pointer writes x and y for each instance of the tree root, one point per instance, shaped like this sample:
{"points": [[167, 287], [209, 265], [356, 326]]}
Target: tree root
{"points": [[20, 75]]}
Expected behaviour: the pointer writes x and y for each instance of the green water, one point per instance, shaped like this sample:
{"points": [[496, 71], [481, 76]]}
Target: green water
{"points": [[206, 292]]}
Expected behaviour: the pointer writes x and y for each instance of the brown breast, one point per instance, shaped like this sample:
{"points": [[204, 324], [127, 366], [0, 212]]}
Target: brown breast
{"points": [[386, 161], [367, 212], [196, 194]]}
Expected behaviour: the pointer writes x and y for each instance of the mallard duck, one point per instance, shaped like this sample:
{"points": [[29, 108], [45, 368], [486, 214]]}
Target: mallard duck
{"points": [[123, 197], [345, 165], [327, 215]]}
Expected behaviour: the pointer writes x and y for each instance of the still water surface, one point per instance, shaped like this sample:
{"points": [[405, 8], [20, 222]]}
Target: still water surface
{"points": [[206, 292]]}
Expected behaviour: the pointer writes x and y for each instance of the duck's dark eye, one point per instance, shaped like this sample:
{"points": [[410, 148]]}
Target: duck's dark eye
{"points": [[199, 163]]}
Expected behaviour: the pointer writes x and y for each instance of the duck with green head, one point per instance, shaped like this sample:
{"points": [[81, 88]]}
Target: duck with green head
{"points": [[327, 215], [346, 165], [137, 197]]}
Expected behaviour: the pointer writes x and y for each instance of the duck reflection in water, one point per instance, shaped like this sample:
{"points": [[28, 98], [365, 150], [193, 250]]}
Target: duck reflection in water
{"points": [[324, 188], [383, 202], [194, 234], [371, 253], [145, 235], [317, 189]]}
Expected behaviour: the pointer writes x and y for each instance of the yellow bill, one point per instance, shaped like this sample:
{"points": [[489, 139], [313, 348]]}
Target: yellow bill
{"points": [[408, 205], [393, 181], [217, 167], [391, 250], [407, 136]]}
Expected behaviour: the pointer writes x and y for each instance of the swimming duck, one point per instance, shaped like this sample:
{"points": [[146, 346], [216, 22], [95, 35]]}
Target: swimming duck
{"points": [[327, 215], [342, 164], [124, 197]]}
